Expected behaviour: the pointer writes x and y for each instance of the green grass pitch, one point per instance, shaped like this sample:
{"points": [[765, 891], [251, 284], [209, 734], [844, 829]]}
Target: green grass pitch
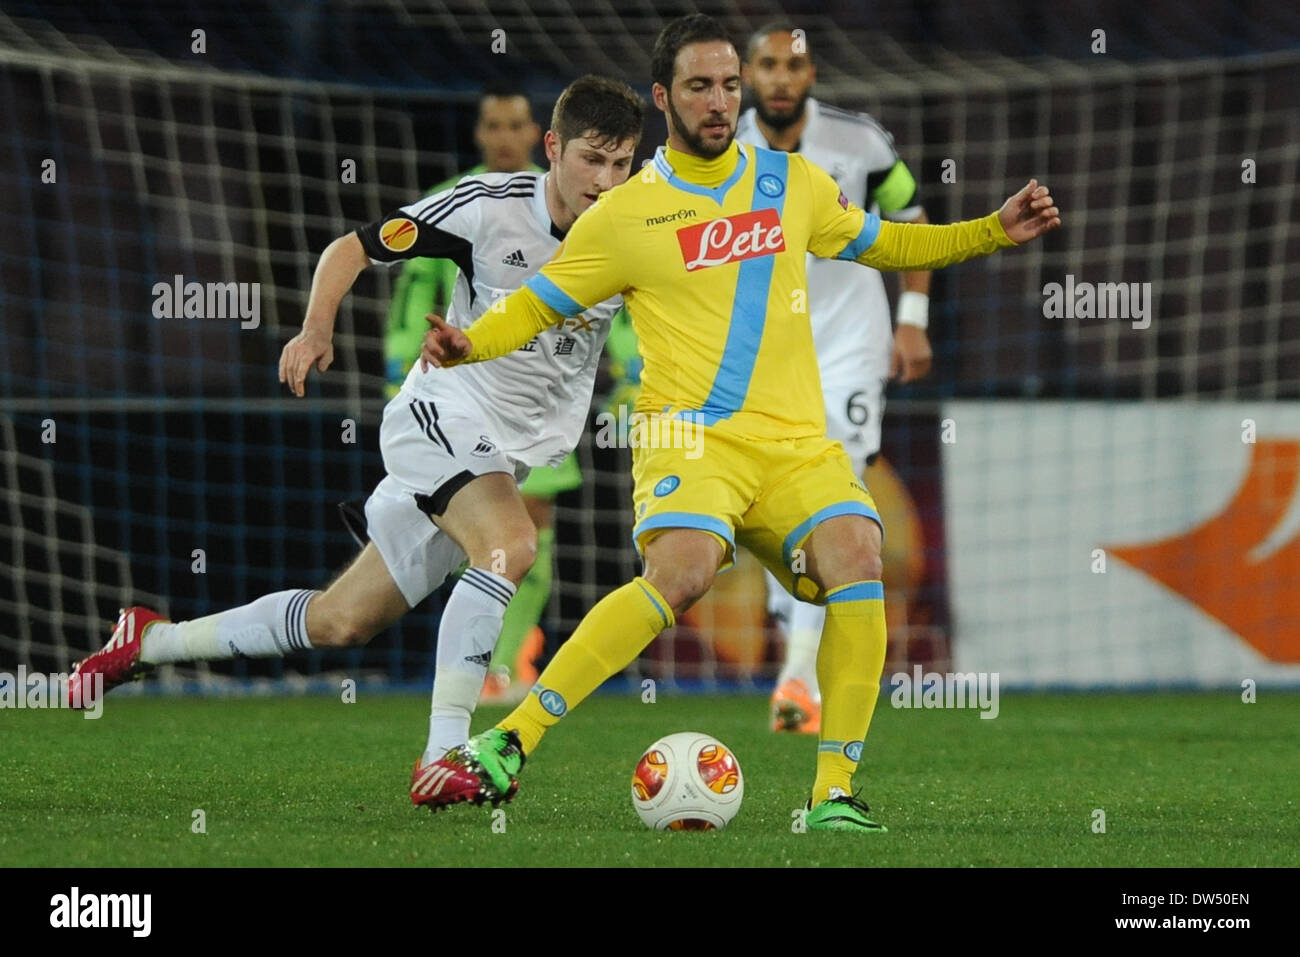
{"points": [[1183, 779]]}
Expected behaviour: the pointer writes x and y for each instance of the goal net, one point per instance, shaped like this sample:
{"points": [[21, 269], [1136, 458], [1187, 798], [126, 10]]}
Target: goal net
{"points": [[154, 458]]}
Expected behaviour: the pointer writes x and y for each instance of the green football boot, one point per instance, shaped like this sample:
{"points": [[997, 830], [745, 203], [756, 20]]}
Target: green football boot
{"points": [[842, 812], [497, 756]]}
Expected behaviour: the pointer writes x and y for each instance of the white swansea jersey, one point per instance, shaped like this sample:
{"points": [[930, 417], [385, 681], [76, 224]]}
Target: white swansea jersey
{"points": [[496, 228], [847, 302]]}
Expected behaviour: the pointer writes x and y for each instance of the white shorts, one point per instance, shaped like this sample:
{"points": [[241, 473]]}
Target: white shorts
{"points": [[853, 415], [428, 447]]}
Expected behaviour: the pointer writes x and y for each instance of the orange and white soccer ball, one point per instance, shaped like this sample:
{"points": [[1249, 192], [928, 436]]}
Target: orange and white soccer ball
{"points": [[688, 781]]}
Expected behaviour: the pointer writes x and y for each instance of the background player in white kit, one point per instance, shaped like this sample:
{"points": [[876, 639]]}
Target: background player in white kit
{"points": [[857, 350], [455, 443]]}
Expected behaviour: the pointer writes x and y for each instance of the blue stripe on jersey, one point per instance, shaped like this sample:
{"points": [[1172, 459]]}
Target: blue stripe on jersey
{"points": [[801, 531], [715, 193], [661, 164], [748, 308], [870, 230], [705, 523], [554, 296]]}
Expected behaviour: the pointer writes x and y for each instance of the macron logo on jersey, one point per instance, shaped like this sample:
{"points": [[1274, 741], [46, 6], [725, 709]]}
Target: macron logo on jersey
{"points": [[728, 240]]}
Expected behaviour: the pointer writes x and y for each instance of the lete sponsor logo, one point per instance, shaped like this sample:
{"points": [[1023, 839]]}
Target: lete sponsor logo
{"points": [[732, 239]]}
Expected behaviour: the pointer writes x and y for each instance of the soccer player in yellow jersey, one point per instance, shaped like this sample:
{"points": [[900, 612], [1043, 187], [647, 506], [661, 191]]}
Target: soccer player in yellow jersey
{"points": [[707, 246]]}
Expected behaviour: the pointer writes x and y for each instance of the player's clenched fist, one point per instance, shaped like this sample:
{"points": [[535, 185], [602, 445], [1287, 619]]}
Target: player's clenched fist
{"points": [[443, 344], [1029, 213], [310, 347]]}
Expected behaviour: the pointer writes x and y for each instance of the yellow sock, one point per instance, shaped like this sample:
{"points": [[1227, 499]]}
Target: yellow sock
{"points": [[849, 665], [605, 642]]}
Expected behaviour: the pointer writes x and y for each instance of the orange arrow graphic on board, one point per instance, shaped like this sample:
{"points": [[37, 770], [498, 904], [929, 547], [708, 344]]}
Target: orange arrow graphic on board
{"points": [[1212, 566]]}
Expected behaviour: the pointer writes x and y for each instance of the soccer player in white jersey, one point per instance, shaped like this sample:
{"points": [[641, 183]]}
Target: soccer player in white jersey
{"points": [[857, 350], [455, 444]]}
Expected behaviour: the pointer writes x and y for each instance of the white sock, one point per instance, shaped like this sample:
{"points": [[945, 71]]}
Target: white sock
{"points": [[803, 625], [470, 627], [780, 603], [270, 627]]}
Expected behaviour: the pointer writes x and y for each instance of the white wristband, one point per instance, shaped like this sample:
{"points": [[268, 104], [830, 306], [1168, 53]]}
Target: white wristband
{"points": [[913, 309]]}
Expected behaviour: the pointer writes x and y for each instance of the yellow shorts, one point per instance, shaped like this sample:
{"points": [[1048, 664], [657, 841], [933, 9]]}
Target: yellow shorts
{"points": [[765, 495]]}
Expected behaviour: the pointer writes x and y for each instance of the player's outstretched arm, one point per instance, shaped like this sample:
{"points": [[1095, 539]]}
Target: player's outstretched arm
{"points": [[339, 266], [585, 269], [912, 354], [1028, 214], [507, 325]]}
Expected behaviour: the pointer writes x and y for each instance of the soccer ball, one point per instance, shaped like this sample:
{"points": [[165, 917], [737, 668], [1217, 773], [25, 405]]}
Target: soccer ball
{"points": [[688, 781]]}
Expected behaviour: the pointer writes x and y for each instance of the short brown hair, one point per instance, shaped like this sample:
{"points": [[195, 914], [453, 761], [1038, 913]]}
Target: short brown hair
{"points": [[608, 110], [682, 32]]}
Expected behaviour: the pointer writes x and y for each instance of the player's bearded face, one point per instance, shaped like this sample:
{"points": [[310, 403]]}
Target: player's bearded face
{"points": [[786, 113], [704, 102], [781, 78], [711, 134]]}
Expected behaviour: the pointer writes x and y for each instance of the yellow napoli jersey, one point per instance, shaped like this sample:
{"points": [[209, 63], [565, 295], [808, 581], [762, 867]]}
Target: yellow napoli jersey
{"points": [[710, 257]]}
